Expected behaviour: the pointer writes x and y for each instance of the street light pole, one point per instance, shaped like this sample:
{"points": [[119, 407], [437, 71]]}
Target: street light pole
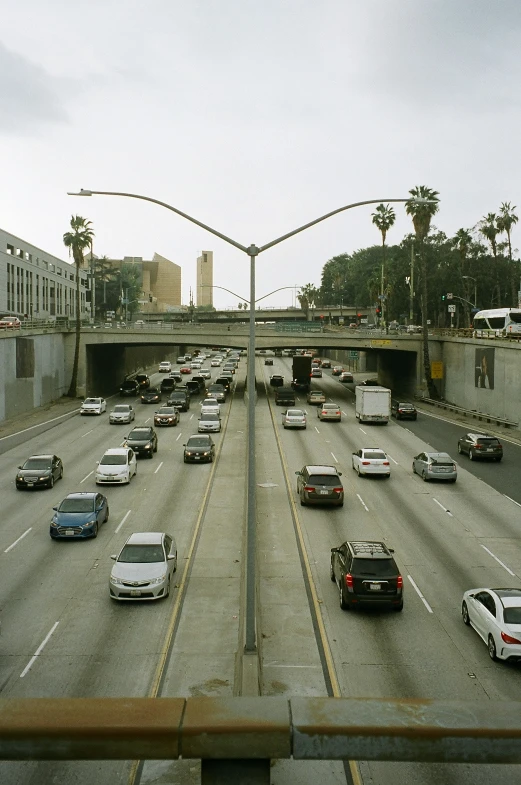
{"points": [[470, 277], [252, 251]]}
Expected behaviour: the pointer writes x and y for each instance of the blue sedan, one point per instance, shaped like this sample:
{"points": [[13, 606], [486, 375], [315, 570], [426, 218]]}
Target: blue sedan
{"points": [[79, 515]]}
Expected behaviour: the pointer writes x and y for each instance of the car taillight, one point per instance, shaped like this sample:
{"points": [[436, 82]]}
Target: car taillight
{"points": [[349, 580], [385, 463], [508, 638], [323, 411], [399, 582], [337, 490], [309, 488], [366, 463]]}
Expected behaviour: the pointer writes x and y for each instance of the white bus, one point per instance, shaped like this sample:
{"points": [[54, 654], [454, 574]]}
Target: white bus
{"points": [[497, 323]]}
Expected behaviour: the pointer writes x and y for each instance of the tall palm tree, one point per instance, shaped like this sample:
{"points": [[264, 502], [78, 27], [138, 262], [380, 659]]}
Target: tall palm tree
{"points": [[77, 240], [505, 221], [488, 228], [421, 213], [461, 242], [383, 218], [308, 297]]}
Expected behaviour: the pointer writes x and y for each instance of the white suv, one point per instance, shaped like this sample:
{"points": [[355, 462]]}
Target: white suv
{"points": [[118, 466], [165, 367]]}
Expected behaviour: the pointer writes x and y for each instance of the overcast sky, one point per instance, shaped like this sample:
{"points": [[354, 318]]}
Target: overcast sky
{"points": [[254, 117]]}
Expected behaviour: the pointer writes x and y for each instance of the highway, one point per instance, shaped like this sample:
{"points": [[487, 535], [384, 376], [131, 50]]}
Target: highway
{"points": [[447, 539]]}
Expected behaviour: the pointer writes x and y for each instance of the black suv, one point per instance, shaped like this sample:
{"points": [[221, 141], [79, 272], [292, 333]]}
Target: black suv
{"points": [[167, 385], [403, 410], [129, 387], [193, 387], [143, 381], [276, 380], [143, 440], [284, 396], [480, 445], [366, 573], [180, 399]]}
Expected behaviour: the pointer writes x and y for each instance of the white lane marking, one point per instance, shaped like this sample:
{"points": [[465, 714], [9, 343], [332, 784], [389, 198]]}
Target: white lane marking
{"points": [[498, 560], [343, 412], [87, 477], [316, 429], [18, 540], [123, 520], [420, 595], [442, 507], [363, 431], [38, 650], [362, 502], [191, 417], [511, 500], [334, 457], [32, 427], [392, 459], [148, 420], [87, 432], [179, 436], [156, 471]]}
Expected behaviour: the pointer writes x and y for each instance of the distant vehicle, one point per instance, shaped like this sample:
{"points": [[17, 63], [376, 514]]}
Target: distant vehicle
{"points": [[435, 466], [346, 377], [495, 614], [276, 380], [403, 410], [129, 387], [10, 323], [144, 567], [108, 325], [117, 466], [122, 413], [180, 399], [371, 460], [165, 367], [216, 391], [143, 380], [210, 404], [167, 385], [205, 373], [139, 323], [480, 445], [186, 370], [316, 372], [79, 515], [152, 395], [294, 418], [284, 396], [268, 361], [166, 415], [372, 404], [215, 363], [93, 406], [326, 363], [497, 323], [39, 471], [199, 449], [316, 397], [337, 370]]}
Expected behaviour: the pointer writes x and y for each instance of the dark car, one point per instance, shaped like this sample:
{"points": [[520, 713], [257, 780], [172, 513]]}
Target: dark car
{"points": [[167, 385], [201, 381], [276, 380], [225, 381], [403, 410], [326, 363], [143, 440], [39, 471], [199, 449], [178, 379], [180, 399], [143, 380], [193, 387], [268, 361], [366, 574], [480, 445], [284, 396], [129, 387], [217, 391], [79, 515], [152, 395], [166, 415], [319, 484]]}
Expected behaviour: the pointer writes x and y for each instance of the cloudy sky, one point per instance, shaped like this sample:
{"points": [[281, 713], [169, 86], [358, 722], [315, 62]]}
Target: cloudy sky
{"points": [[255, 118]]}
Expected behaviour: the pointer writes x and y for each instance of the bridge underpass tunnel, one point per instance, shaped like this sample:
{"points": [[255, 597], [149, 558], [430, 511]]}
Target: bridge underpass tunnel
{"points": [[397, 370], [109, 364]]}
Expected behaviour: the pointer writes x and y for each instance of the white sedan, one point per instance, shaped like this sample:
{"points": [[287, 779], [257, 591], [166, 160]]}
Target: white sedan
{"points": [[93, 406], [495, 614], [371, 460], [215, 363], [205, 373], [210, 404], [165, 367]]}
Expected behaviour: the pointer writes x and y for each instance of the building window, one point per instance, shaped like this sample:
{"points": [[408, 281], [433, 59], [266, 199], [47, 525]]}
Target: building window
{"points": [[10, 249]]}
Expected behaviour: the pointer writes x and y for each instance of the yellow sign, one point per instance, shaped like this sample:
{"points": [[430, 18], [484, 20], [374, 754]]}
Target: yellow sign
{"points": [[381, 342], [437, 369]]}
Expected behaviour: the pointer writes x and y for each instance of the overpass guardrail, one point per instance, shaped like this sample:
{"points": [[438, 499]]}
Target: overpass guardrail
{"points": [[490, 418]]}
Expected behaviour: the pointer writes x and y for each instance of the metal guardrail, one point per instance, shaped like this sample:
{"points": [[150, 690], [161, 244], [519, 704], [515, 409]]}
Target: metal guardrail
{"points": [[490, 418]]}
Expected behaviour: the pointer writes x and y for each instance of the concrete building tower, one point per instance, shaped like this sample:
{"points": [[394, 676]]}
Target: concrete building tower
{"points": [[204, 293]]}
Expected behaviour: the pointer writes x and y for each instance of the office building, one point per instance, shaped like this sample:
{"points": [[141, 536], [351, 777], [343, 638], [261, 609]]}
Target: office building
{"points": [[204, 290]]}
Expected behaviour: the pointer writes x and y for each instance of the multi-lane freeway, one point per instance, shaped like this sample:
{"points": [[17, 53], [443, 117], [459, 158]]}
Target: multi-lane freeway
{"points": [[62, 636]]}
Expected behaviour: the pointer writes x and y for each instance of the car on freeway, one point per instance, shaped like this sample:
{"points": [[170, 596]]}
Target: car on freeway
{"points": [[180, 399], [268, 361], [195, 365], [39, 471], [79, 515], [144, 567], [165, 367], [371, 460], [346, 377], [193, 387], [316, 372], [108, 325], [199, 449], [181, 360], [294, 418], [166, 415], [216, 362], [139, 323], [226, 375], [366, 573], [226, 382], [176, 376], [118, 465], [143, 380], [318, 484], [93, 406], [216, 391], [129, 387], [326, 363], [185, 369], [329, 411], [276, 380], [403, 410], [435, 466], [209, 421], [167, 385], [205, 373], [188, 357], [152, 395], [210, 404], [143, 441], [495, 614], [201, 381], [10, 323], [284, 396], [480, 445], [337, 370], [316, 397], [229, 368], [121, 413]]}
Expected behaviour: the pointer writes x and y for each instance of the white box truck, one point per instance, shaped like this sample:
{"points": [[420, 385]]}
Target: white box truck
{"points": [[373, 404]]}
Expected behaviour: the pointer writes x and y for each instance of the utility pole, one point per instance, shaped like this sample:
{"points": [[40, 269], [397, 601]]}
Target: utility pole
{"points": [[411, 285], [92, 285]]}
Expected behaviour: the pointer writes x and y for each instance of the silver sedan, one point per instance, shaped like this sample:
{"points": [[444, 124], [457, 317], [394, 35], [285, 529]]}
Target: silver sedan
{"points": [[435, 466], [122, 413], [294, 418]]}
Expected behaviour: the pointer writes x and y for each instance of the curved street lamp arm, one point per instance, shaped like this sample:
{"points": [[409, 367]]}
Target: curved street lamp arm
{"points": [[86, 192], [213, 286]]}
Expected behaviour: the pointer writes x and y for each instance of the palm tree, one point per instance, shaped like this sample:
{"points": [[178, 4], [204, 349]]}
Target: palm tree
{"points": [[461, 242], [488, 228], [505, 221], [383, 218], [308, 297], [77, 240], [421, 213]]}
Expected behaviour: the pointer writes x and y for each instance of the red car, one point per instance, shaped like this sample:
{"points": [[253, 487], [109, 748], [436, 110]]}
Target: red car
{"points": [[185, 369], [10, 322]]}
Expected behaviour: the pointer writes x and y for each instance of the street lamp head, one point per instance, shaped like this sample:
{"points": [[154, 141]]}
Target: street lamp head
{"points": [[81, 192], [421, 200]]}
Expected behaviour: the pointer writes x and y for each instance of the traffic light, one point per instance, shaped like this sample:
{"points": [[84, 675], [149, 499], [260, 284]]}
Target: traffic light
{"points": [[443, 297], [378, 311]]}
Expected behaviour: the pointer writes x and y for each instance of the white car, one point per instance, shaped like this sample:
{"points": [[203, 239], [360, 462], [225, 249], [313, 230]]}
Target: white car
{"points": [[196, 364], [123, 412], [329, 411], [165, 367], [205, 373], [144, 567], [495, 614], [118, 466], [371, 460], [210, 404], [209, 421], [294, 418], [215, 363], [93, 406]]}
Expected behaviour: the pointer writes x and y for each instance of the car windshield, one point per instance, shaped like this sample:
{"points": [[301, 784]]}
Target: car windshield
{"points": [[406, 406], [295, 413], [198, 442], [374, 455], [512, 615], [139, 434], [210, 416], [441, 461], [152, 391], [488, 442], [325, 479], [141, 554], [91, 400], [37, 463], [114, 460], [381, 568], [129, 385], [167, 410], [123, 409], [330, 406], [77, 505]]}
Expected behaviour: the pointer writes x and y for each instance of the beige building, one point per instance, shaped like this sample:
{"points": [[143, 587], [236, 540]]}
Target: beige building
{"points": [[204, 293]]}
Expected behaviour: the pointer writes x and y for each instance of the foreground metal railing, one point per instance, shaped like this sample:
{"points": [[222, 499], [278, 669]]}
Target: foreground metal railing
{"points": [[260, 728]]}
